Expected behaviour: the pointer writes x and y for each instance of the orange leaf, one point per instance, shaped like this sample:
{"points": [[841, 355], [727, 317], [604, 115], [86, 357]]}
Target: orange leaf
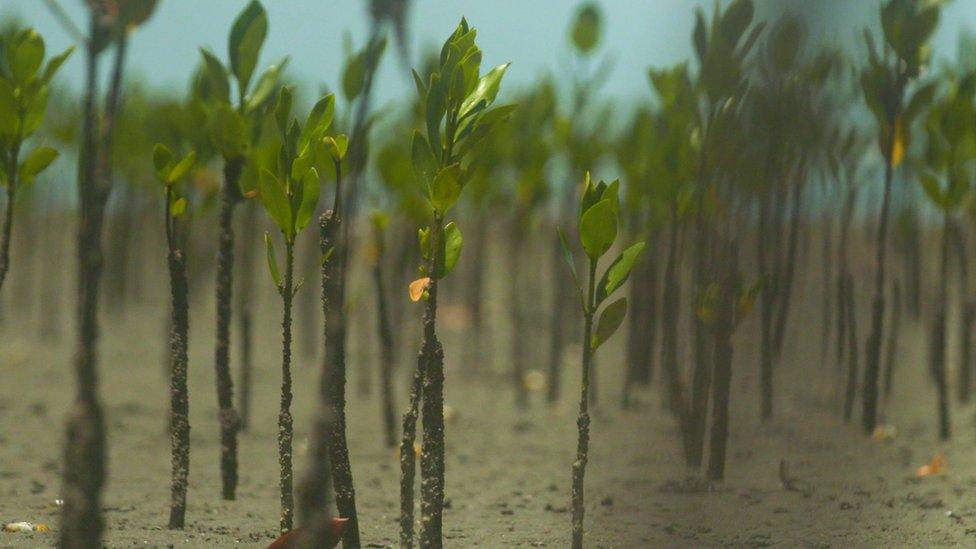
{"points": [[417, 288], [936, 466]]}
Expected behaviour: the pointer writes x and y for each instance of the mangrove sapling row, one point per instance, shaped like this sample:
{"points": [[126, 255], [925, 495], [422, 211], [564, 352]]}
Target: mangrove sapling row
{"points": [[24, 81], [169, 172], [598, 221], [289, 190], [84, 461], [457, 102], [907, 25]]}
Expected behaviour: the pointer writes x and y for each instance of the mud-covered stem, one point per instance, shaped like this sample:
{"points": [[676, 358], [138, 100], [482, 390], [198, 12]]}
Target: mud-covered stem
{"points": [[84, 463], [285, 432], [583, 420], [179, 398], [432, 451], [227, 415]]}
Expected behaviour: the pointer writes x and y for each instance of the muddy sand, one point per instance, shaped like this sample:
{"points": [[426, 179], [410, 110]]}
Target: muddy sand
{"points": [[508, 472]]}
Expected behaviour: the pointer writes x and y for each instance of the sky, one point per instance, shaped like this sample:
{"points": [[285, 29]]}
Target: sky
{"points": [[532, 34]]}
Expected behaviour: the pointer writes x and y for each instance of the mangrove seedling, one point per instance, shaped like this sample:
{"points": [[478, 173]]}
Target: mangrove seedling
{"points": [[23, 103], [907, 25], [947, 177], [169, 172], [457, 101], [289, 191], [84, 455], [233, 131], [600, 210]]}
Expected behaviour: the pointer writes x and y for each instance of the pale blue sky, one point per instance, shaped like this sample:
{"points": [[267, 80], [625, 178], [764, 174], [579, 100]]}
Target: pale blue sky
{"points": [[530, 33]]}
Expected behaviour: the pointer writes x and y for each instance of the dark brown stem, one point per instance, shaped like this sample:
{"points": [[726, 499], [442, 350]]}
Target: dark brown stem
{"points": [[84, 464], [583, 419], [938, 350], [408, 457], [517, 317], [330, 226], [245, 299], [285, 421], [387, 358], [725, 325], [8, 219], [852, 352], [872, 366], [179, 401], [227, 415], [432, 451]]}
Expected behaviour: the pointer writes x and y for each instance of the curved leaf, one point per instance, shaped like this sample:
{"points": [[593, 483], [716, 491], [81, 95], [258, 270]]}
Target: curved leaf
{"points": [[610, 319], [598, 229], [618, 272]]}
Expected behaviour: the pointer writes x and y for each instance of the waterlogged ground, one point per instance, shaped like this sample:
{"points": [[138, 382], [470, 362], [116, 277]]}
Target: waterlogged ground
{"points": [[508, 472]]}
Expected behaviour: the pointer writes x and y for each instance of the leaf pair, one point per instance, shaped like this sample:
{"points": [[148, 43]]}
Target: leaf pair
{"points": [[597, 233], [448, 242]]}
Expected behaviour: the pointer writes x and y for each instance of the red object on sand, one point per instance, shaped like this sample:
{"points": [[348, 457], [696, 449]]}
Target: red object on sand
{"points": [[289, 540]]}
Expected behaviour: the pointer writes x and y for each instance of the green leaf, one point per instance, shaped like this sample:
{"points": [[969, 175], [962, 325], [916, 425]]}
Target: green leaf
{"points": [[446, 188], [424, 163], [736, 19], [227, 131], [217, 75], [275, 202], [598, 229], [266, 85], [178, 207], [36, 162], [568, 256], [282, 109], [27, 55], [338, 145], [162, 161], [34, 112], [486, 91], [55, 63], [610, 319], [273, 262], [586, 29], [618, 272], [311, 187], [246, 38], [452, 248], [9, 120], [183, 167], [354, 75], [318, 120], [700, 36]]}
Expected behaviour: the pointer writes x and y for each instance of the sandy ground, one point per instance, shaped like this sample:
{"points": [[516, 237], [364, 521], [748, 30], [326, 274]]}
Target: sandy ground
{"points": [[508, 473]]}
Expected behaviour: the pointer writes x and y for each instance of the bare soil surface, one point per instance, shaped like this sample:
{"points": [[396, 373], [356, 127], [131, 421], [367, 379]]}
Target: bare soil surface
{"points": [[508, 471]]}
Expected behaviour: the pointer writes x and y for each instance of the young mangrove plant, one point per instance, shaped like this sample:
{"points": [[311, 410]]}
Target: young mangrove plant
{"points": [[289, 190], [233, 130], [169, 172], [457, 101], [907, 26], [23, 104], [600, 209], [379, 221], [946, 178], [84, 460]]}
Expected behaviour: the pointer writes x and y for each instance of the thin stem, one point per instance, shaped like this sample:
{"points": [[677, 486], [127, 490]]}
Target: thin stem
{"points": [[583, 420], [285, 421]]}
